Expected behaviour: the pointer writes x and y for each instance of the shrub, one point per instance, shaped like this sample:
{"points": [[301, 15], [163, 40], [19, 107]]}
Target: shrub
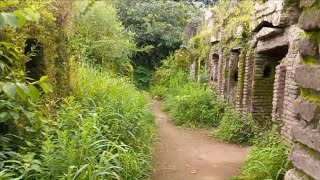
{"points": [[196, 104], [236, 129], [142, 77], [268, 159], [159, 92]]}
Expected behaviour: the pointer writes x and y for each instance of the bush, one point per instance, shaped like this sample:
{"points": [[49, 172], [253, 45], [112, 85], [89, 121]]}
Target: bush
{"points": [[268, 159], [105, 132], [142, 77], [159, 92], [236, 129], [195, 104]]}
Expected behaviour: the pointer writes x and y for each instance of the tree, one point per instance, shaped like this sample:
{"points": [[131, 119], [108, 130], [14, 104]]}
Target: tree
{"points": [[98, 36], [158, 27], [155, 23]]}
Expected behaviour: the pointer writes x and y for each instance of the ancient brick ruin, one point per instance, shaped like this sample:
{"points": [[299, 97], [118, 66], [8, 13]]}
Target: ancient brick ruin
{"points": [[275, 76]]}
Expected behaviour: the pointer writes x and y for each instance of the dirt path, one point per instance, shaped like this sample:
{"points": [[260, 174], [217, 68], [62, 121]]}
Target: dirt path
{"points": [[191, 155]]}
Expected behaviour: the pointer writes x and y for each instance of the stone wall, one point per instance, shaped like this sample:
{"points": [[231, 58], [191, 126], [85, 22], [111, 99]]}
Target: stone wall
{"points": [[232, 78], [305, 154], [265, 85], [275, 76]]}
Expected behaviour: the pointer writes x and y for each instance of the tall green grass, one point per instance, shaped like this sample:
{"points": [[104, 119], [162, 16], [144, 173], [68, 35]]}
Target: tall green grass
{"points": [[196, 105], [104, 131], [268, 159], [236, 128]]}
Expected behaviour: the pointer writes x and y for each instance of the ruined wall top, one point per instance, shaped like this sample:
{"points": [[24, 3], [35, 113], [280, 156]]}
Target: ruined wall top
{"points": [[275, 13]]}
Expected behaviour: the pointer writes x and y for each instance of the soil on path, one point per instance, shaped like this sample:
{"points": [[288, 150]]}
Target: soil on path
{"points": [[191, 155]]}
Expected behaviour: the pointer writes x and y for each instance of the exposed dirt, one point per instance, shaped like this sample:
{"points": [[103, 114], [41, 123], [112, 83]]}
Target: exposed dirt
{"points": [[191, 155]]}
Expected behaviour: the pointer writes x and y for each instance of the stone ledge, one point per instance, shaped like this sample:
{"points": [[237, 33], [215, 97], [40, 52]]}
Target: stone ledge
{"points": [[267, 32], [310, 164], [307, 136], [308, 110], [214, 40], [272, 44], [308, 76]]}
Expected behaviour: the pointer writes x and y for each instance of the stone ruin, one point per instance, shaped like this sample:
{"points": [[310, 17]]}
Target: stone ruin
{"points": [[276, 76]]}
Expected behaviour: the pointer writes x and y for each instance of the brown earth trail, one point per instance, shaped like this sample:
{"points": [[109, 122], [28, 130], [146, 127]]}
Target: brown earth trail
{"points": [[191, 155]]}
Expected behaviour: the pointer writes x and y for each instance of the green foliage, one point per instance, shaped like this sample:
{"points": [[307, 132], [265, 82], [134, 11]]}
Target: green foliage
{"points": [[142, 77], [195, 104], [17, 18], [267, 160], [159, 24], [99, 37], [189, 102], [310, 94], [159, 92], [240, 15], [237, 129], [173, 70], [21, 113], [104, 132]]}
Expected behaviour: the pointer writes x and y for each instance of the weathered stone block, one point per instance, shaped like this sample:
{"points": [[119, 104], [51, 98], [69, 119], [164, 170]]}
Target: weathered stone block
{"points": [[303, 160], [293, 174], [307, 3], [308, 110], [267, 32], [272, 44], [308, 47], [308, 76], [214, 40], [310, 20], [307, 136]]}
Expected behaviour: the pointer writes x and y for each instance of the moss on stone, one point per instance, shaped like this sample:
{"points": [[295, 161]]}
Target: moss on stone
{"points": [[310, 60], [314, 35], [289, 4], [308, 94]]}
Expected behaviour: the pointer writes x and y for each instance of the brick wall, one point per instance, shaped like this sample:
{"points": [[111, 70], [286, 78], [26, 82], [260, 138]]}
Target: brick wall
{"points": [[305, 130], [233, 76]]}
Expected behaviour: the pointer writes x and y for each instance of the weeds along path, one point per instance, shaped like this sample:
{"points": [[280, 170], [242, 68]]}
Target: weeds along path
{"points": [[192, 155]]}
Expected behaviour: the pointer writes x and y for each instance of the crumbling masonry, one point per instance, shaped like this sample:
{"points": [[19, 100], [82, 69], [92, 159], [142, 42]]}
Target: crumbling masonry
{"points": [[275, 76]]}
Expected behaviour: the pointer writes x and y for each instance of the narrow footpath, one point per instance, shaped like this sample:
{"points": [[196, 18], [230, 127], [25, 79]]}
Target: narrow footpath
{"points": [[191, 155]]}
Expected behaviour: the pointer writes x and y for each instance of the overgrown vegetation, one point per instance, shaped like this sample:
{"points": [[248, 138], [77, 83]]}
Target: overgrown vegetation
{"points": [[194, 103], [237, 129], [267, 159], [157, 28], [104, 128], [99, 37], [191, 102], [97, 134]]}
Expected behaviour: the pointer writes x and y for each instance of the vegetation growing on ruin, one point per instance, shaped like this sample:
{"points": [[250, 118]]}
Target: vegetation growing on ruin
{"points": [[237, 129], [190, 102], [194, 104], [267, 159], [308, 94]]}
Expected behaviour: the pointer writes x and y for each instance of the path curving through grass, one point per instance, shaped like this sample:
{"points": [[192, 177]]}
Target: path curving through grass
{"points": [[191, 155]]}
